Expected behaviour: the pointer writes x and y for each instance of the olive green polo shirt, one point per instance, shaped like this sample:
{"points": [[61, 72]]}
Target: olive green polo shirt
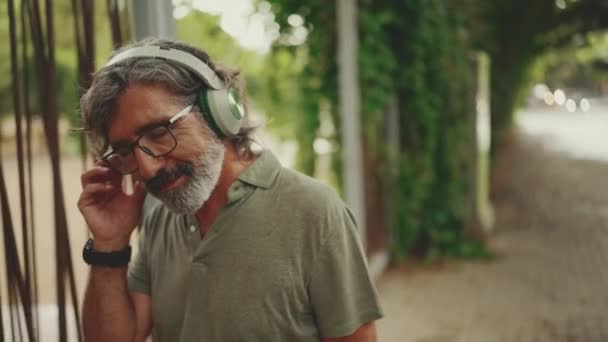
{"points": [[282, 262]]}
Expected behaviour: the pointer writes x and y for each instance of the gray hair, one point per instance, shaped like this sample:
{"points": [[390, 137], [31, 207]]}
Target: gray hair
{"points": [[98, 103]]}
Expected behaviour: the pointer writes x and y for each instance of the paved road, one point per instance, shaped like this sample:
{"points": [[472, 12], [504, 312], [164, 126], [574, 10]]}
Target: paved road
{"points": [[549, 280]]}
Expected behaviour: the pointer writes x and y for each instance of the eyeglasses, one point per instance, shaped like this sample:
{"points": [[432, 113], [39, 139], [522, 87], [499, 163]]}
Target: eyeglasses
{"points": [[156, 142]]}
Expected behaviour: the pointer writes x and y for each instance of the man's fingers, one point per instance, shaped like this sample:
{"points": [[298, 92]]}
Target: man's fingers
{"points": [[100, 174], [94, 192], [93, 174], [95, 188]]}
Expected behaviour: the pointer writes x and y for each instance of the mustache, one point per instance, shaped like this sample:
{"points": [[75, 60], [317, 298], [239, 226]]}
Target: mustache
{"points": [[164, 176]]}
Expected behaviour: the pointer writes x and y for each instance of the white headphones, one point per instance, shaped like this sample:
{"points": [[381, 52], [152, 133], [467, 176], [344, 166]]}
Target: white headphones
{"points": [[219, 103]]}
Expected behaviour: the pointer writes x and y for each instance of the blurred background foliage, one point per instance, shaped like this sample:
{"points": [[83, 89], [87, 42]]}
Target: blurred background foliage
{"points": [[414, 55], [413, 52], [522, 35]]}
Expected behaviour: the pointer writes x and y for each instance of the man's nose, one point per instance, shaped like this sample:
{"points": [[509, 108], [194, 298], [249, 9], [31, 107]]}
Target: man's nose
{"points": [[147, 165]]}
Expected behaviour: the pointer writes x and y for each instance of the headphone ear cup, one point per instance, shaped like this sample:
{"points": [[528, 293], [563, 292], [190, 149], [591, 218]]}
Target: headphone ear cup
{"points": [[225, 109], [203, 104]]}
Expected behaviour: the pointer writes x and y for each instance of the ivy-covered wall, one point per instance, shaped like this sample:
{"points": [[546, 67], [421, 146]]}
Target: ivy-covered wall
{"points": [[421, 55], [415, 51]]}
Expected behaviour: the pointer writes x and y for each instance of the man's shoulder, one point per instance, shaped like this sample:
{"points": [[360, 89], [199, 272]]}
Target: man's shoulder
{"points": [[304, 189], [306, 202]]}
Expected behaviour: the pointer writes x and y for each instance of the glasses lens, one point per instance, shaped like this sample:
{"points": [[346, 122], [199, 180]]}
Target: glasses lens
{"points": [[123, 163], [157, 142]]}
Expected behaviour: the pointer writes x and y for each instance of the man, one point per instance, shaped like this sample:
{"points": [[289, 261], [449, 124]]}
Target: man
{"points": [[241, 249]]}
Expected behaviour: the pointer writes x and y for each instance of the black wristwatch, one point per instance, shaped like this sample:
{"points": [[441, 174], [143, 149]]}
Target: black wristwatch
{"points": [[109, 259]]}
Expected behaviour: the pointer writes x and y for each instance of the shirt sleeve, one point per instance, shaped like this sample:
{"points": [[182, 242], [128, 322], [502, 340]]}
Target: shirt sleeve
{"points": [[341, 291], [138, 276]]}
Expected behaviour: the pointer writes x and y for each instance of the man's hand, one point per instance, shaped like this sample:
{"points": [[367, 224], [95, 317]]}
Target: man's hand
{"points": [[365, 333], [110, 213]]}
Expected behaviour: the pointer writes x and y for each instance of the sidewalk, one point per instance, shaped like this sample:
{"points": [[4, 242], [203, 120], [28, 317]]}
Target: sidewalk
{"points": [[549, 280]]}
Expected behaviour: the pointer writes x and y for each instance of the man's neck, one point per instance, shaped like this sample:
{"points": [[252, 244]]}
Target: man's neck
{"points": [[232, 167]]}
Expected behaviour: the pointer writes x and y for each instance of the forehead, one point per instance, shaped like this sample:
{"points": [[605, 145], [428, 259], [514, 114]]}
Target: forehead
{"points": [[137, 106]]}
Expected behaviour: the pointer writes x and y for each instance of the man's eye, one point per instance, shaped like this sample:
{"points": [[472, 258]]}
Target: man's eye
{"points": [[157, 133]]}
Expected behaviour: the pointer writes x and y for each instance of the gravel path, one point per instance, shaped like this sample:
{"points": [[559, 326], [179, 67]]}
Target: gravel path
{"points": [[548, 281]]}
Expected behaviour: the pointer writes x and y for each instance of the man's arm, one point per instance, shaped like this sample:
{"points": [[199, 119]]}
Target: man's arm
{"points": [[365, 333], [110, 312]]}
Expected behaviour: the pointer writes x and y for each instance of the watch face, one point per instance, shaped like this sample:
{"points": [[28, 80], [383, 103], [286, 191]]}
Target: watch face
{"points": [[89, 245], [87, 250]]}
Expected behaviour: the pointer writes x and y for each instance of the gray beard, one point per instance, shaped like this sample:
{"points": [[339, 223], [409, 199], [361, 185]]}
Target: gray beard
{"points": [[188, 198]]}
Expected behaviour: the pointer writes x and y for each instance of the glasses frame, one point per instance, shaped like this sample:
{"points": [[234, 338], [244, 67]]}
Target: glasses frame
{"points": [[167, 124]]}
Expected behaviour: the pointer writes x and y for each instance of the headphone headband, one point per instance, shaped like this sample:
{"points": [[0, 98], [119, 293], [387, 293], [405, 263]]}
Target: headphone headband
{"points": [[178, 56], [218, 104]]}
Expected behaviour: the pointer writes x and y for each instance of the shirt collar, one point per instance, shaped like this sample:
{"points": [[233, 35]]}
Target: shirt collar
{"points": [[263, 171]]}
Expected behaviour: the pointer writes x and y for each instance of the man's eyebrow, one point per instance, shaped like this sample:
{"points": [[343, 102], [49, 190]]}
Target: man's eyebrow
{"points": [[150, 125], [120, 143]]}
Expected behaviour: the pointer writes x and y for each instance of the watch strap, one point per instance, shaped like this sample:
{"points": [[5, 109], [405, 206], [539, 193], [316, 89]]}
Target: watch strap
{"points": [[108, 259]]}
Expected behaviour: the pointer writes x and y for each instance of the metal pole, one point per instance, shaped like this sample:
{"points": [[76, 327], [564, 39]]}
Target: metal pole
{"points": [[481, 217], [152, 18], [348, 42]]}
